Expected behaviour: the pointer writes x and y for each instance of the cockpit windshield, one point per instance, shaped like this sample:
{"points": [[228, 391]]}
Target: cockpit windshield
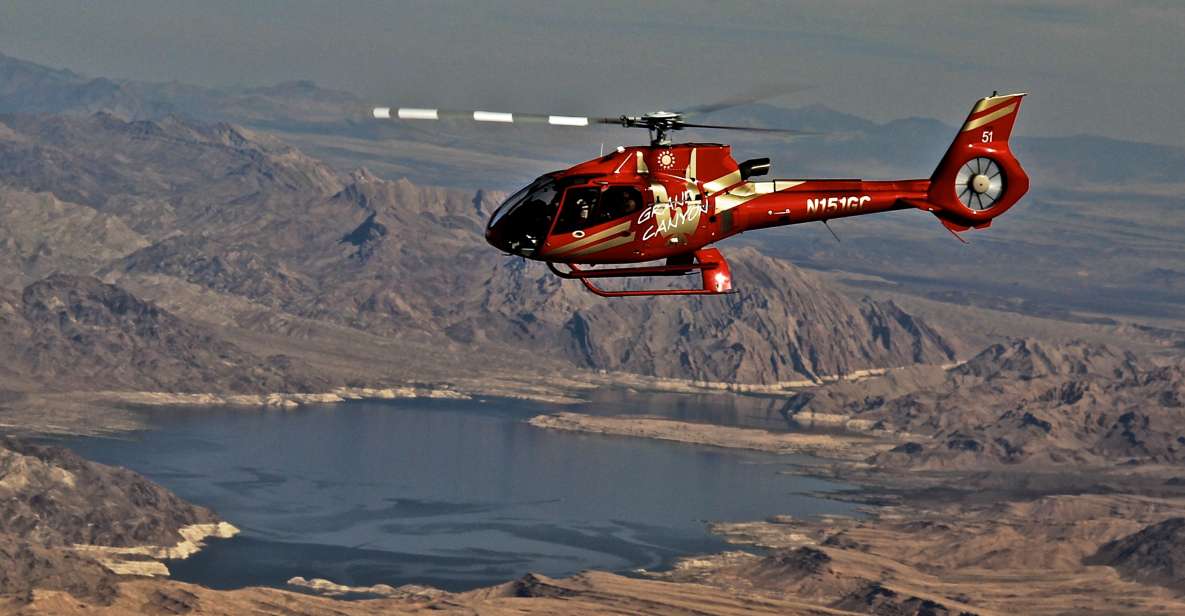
{"points": [[519, 198], [522, 221]]}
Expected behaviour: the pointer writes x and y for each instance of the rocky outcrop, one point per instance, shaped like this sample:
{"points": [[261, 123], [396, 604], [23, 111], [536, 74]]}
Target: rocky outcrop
{"points": [[76, 332], [40, 234], [61, 515], [329, 588], [1154, 555], [27, 565], [1021, 401], [52, 496], [875, 598]]}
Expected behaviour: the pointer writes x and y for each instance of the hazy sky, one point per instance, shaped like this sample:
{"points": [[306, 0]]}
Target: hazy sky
{"points": [[1111, 68]]}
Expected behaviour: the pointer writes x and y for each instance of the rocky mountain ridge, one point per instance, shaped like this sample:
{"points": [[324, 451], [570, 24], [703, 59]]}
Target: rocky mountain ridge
{"points": [[51, 500], [1021, 402], [28, 87], [1153, 555], [75, 332], [250, 218]]}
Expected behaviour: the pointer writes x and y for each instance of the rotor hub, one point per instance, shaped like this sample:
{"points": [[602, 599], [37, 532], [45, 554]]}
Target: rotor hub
{"points": [[658, 123], [981, 183]]}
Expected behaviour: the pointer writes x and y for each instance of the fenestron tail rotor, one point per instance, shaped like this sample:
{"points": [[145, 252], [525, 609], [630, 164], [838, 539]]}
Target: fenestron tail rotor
{"points": [[658, 123], [979, 183]]}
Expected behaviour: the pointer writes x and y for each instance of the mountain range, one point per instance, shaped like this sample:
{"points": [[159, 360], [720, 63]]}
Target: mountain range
{"points": [[161, 207], [1021, 402], [169, 237], [1043, 259]]}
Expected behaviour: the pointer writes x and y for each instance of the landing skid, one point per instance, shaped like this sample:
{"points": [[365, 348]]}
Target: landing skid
{"points": [[716, 277]]}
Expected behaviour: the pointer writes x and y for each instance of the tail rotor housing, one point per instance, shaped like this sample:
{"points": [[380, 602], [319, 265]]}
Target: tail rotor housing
{"points": [[979, 178]]}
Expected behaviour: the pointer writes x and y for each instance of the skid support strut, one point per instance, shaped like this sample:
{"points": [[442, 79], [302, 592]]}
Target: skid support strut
{"points": [[716, 277]]}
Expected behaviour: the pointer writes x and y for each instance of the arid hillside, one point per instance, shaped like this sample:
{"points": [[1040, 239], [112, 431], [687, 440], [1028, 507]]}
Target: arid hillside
{"points": [[52, 502], [68, 332], [215, 222], [1020, 403]]}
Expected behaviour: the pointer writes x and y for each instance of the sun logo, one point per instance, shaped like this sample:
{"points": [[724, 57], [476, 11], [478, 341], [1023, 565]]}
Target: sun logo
{"points": [[666, 159]]}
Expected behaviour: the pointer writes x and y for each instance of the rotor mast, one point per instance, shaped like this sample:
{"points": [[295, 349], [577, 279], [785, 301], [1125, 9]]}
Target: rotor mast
{"points": [[658, 124]]}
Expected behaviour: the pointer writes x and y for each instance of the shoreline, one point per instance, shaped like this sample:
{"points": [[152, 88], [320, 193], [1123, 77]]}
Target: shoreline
{"points": [[849, 448], [559, 391], [145, 560], [108, 412], [279, 400], [812, 562]]}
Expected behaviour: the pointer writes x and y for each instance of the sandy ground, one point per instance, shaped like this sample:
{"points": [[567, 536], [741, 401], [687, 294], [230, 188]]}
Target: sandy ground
{"points": [[1011, 557], [587, 594], [845, 447], [975, 542]]}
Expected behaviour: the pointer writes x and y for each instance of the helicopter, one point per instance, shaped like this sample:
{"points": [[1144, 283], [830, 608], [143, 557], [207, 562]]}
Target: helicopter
{"points": [[670, 201]]}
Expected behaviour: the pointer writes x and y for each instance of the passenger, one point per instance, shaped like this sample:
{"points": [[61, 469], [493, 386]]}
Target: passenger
{"points": [[631, 204]]}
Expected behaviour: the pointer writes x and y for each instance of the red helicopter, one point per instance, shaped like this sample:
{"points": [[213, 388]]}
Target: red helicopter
{"points": [[671, 201]]}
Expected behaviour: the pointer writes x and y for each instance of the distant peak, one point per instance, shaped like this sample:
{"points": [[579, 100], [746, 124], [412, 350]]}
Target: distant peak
{"points": [[1028, 358], [108, 116], [819, 108], [362, 175], [296, 84]]}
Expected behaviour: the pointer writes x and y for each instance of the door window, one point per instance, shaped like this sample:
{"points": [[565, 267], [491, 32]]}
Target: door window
{"points": [[588, 206], [619, 201], [579, 210]]}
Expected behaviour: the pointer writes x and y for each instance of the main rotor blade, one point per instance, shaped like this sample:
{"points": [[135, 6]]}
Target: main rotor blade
{"points": [[412, 113], [753, 96], [752, 129]]}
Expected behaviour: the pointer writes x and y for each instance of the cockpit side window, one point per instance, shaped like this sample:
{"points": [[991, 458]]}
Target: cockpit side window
{"points": [[618, 201], [580, 209], [588, 206]]}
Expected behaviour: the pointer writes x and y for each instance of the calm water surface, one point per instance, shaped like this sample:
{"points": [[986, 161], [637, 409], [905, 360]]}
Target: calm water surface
{"points": [[456, 494]]}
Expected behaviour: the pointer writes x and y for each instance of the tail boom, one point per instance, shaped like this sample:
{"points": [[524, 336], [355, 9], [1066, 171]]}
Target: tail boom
{"points": [[976, 180]]}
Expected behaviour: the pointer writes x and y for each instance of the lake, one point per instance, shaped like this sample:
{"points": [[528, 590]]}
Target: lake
{"points": [[454, 494]]}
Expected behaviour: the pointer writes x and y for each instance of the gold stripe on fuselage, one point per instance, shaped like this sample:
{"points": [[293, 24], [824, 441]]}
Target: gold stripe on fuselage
{"points": [[614, 243], [751, 190], [722, 182], [585, 241]]}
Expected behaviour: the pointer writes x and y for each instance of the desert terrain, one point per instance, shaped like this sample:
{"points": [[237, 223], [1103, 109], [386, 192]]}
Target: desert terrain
{"points": [[1012, 419]]}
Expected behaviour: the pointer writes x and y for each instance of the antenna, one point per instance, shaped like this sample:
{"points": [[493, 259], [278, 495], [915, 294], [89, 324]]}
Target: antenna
{"points": [[829, 229]]}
